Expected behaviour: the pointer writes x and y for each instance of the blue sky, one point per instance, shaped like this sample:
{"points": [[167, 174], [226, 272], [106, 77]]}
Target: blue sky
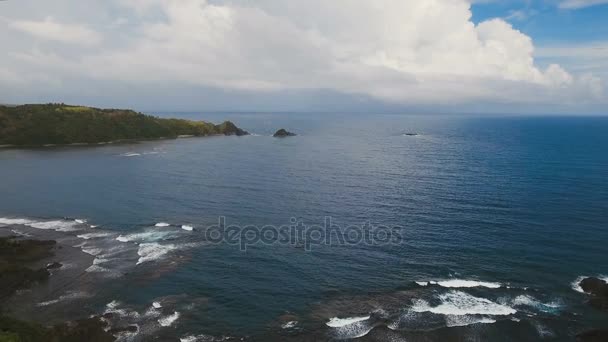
{"points": [[546, 22], [509, 56]]}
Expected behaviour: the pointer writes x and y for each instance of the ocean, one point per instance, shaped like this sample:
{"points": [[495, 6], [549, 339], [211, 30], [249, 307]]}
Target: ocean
{"points": [[491, 221]]}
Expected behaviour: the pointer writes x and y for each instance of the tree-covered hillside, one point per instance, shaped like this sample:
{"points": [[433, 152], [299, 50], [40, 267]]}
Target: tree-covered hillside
{"points": [[43, 124]]}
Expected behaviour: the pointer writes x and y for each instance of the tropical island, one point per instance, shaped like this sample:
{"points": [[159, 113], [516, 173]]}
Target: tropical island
{"points": [[61, 124]]}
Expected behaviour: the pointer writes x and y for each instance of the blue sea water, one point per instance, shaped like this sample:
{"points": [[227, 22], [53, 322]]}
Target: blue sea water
{"points": [[521, 202]]}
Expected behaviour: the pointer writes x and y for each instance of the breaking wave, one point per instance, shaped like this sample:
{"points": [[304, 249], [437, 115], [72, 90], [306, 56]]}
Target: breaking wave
{"points": [[169, 320], [350, 327], [460, 283], [153, 251], [460, 304]]}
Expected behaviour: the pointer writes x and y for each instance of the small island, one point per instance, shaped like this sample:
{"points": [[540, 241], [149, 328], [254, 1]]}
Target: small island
{"points": [[282, 133], [61, 124]]}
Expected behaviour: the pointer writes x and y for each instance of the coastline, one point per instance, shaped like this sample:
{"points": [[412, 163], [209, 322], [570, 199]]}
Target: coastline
{"points": [[77, 292], [113, 142]]}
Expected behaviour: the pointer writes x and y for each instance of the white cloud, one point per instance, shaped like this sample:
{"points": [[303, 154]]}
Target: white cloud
{"points": [[413, 52], [49, 29], [576, 4]]}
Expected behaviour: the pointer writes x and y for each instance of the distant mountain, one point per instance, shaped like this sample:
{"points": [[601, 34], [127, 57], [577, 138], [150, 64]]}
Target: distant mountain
{"points": [[60, 124]]}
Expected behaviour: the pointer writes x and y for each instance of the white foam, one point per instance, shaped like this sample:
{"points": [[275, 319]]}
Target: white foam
{"points": [[162, 224], [460, 304], [460, 283], [148, 236], [89, 236], [187, 227], [350, 327], [153, 251], [167, 321], [336, 322], [92, 250], [10, 221], [130, 154], [97, 269], [68, 296], [576, 284], [81, 221], [19, 233], [461, 321], [113, 307], [525, 300], [289, 325], [156, 305], [57, 225]]}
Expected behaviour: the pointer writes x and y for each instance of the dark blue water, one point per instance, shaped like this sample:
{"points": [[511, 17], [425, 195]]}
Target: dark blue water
{"points": [[522, 202]]}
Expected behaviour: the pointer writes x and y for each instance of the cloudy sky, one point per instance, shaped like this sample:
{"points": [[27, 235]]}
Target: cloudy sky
{"points": [[511, 56]]}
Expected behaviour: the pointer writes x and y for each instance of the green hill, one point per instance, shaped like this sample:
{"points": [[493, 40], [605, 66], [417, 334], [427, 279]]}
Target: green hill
{"points": [[60, 124]]}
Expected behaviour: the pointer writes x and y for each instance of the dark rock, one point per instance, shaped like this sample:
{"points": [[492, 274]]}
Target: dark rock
{"points": [[598, 290], [54, 266], [90, 329], [597, 335], [14, 256], [130, 329], [283, 133], [229, 128]]}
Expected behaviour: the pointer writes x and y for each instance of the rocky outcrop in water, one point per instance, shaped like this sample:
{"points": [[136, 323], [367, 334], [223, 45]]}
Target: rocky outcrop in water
{"points": [[598, 291], [598, 335], [282, 133]]}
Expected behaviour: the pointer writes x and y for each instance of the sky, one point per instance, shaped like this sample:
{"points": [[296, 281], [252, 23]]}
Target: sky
{"points": [[431, 56]]}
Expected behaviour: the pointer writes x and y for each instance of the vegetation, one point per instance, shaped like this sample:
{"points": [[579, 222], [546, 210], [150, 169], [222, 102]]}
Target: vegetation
{"points": [[60, 124]]}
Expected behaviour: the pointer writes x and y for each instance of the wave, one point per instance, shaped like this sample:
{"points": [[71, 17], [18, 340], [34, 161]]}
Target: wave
{"points": [[113, 308], [56, 225], [94, 251], [336, 322], [461, 321], [153, 251], [68, 296], [130, 154], [289, 325], [20, 233], [11, 221], [459, 303], [576, 284], [156, 305], [350, 327], [187, 227], [525, 300], [162, 224], [460, 283], [89, 236], [148, 236], [169, 320], [203, 338]]}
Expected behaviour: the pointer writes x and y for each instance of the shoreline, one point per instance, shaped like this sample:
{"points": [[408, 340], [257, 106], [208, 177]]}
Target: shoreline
{"points": [[72, 294], [113, 142]]}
